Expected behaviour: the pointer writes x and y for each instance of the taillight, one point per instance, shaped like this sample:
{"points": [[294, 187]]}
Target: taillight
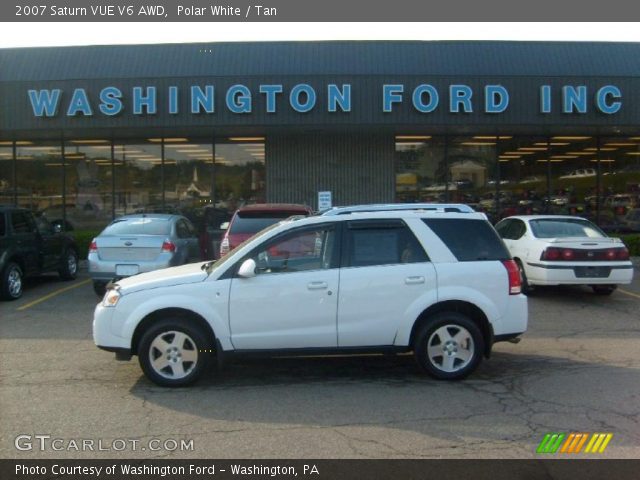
{"points": [[623, 253], [168, 246], [567, 254], [611, 254], [93, 246], [551, 253], [224, 246], [515, 282]]}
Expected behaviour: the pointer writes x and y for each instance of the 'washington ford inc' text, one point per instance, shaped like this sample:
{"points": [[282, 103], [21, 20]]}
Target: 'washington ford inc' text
{"points": [[225, 11]]}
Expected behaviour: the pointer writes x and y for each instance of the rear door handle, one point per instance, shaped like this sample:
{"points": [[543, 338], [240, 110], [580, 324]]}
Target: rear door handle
{"points": [[317, 285], [414, 280]]}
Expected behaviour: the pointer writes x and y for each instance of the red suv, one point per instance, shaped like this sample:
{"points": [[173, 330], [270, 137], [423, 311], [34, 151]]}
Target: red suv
{"points": [[250, 219]]}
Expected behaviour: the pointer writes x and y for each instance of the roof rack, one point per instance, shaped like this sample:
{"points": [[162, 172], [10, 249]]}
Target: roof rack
{"points": [[385, 207]]}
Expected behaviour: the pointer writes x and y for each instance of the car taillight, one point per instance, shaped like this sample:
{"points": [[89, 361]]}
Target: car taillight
{"points": [[567, 254], [622, 253], [224, 246], [515, 282], [551, 253], [168, 246], [93, 246]]}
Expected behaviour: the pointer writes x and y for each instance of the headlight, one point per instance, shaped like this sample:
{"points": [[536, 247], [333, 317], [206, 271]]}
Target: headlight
{"points": [[111, 298]]}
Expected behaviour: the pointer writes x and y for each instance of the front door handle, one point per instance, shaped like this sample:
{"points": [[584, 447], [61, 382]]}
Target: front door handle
{"points": [[317, 285], [414, 280]]}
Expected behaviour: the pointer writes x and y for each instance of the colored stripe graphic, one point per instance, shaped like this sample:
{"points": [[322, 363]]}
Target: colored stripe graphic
{"points": [[574, 443], [550, 443], [598, 442]]}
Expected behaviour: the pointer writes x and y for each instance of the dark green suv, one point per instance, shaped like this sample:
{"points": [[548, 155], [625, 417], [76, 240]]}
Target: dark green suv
{"points": [[30, 246]]}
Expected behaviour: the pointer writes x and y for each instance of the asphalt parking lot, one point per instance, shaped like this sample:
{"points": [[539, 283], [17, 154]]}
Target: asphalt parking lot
{"points": [[576, 370]]}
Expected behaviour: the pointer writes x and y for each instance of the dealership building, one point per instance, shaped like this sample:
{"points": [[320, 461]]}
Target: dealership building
{"points": [[93, 132]]}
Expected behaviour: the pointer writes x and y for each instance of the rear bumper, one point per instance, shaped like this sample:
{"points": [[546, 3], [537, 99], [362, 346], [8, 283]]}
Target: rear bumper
{"points": [[555, 273], [105, 270]]}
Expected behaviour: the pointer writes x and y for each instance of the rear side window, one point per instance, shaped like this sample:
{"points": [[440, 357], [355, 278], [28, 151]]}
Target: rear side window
{"points": [[3, 227], [139, 226], [469, 240], [253, 222], [20, 223], [381, 243]]}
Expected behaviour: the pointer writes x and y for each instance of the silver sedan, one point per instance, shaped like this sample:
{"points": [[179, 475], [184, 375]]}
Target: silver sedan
{"points": [[140, 243]]}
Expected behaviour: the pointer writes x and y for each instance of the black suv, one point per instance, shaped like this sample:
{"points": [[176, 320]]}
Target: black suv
{"points": [[30, 246]]}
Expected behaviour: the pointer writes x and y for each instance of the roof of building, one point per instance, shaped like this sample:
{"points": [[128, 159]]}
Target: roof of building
{"points": [[442, 58]]}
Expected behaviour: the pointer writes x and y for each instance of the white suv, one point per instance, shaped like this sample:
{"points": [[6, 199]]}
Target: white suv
{"points": [[438, 282]]}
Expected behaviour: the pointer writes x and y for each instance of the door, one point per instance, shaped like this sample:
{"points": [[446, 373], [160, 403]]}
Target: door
{"points": [[50, 245], [384, 271], [187, 241], [292, 300], [24, 234]]}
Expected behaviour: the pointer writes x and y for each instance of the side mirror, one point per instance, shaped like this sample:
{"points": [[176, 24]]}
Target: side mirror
{"points": [[224, 225], [247, 269]]}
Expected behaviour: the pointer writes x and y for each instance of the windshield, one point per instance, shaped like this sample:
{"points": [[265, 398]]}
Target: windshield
{"points": [[139, 226], [223, 262], [564, 227], [252, 222]]}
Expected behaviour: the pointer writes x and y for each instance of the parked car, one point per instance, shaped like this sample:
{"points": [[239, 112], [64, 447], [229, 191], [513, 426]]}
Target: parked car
{"points": [[621, 202], [565, 250], [133, 244], [30, 246], [250, 219], [214, 224], [631, 221], [436, 282], [580, 173]]}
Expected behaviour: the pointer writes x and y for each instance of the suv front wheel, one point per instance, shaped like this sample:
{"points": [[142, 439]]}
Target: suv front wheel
{"points": [[173, 353], [449, 346]]}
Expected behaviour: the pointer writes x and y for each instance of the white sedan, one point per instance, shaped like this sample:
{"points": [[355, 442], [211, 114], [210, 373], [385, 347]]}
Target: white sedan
{"points": [[564, 250]]}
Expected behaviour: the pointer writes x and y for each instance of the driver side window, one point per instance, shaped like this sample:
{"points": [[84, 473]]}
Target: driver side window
{"points": [[300, 251]]}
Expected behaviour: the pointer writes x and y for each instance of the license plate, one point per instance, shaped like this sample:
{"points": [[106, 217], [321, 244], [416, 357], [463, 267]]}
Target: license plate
{"points": [[592, 272], [127, 270]]}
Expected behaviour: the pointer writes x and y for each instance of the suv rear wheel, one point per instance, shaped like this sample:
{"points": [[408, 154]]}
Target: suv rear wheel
{"points": [[11, 282], [449, 346], [68, 265], [173, 353]]}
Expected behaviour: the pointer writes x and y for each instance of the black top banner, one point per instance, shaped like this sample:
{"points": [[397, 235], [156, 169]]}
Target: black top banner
{"points": [[316, 11]]}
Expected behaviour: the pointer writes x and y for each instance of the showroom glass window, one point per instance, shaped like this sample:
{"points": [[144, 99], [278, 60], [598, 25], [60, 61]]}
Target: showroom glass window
{"points": [[240, 171], [620, 183], [39, 172], [6, 173], [89, 184], [420, 169], [138, 177]]}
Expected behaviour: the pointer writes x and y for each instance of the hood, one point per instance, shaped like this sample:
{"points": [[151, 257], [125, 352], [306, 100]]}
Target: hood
{"points": [[190, 273]]}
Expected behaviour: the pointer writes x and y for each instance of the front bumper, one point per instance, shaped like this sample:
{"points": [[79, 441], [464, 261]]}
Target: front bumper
{"points": [[564, 273], [103, 336]]}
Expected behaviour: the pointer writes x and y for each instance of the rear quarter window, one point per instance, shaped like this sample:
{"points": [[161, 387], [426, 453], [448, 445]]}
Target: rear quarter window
{"points": [[469, 240]]}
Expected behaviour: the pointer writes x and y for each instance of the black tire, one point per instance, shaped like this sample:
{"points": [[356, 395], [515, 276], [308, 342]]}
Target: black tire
{"points": [[430, 332], [69, 265], [603, 289], [173, 370], [100, 288], [11, 282], [527, 288]]}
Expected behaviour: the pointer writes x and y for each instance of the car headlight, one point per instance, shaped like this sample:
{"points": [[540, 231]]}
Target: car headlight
{"points": [[111, 298]]}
